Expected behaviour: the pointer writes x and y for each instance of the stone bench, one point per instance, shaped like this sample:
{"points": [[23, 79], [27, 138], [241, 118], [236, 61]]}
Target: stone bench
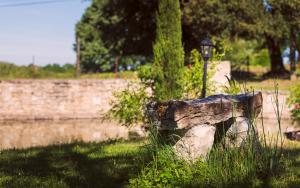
{"points": [[198, 121]]}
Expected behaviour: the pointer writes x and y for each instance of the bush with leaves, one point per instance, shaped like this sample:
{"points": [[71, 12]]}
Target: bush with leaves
{"points": [[294, 102], [127, 106], [192, 80]]}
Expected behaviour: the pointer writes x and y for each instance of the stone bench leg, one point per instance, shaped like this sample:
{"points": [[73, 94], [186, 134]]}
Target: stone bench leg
{"points": [[197, 142], [237, 134]]}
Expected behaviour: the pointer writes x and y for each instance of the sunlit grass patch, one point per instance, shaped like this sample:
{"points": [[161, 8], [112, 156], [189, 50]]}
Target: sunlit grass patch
{"points": [[107, 164], [110, 75]]}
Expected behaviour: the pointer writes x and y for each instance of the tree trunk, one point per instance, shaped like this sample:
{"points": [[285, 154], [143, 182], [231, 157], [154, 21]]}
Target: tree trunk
{"points": [[117, 59], [275, 56], [292, 51], [78, 70]]}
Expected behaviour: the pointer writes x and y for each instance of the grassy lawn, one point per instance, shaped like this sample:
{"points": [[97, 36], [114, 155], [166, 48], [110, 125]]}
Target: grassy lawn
{"points": [[108, 164], [70, 75], [74, 165], [109, 75], [291, 177], [269, 84]]}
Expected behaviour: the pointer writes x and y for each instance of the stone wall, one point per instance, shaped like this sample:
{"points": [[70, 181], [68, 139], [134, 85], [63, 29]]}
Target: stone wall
{"points": [[22, 101], [25, 134], [269, 105], [67, 99], [56, 99]]}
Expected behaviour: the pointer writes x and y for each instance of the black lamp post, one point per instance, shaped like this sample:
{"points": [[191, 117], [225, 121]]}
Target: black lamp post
{"points": [[206, 51]]}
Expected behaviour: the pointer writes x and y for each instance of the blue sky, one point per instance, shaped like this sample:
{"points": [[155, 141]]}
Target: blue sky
{"points": [[45, 31]]}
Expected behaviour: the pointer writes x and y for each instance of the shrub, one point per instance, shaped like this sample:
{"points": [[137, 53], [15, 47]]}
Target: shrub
{"points": [[294, 102], [127, 107], [192, 80], [145, 75]]}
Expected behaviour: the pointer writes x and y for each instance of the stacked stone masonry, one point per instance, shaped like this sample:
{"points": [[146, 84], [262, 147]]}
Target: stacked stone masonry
{"points": [[56, 99]]}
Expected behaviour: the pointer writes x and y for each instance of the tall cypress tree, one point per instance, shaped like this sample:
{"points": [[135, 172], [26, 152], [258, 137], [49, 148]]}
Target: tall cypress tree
{"points": [[168, 51]]}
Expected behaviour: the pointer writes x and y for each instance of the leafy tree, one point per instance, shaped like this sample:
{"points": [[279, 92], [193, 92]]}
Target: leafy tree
{"points": [[94, 54], [110, 29], [127, 28], [252, 19], [290, 12], [202, 18], [168, 51], [115, 28]]}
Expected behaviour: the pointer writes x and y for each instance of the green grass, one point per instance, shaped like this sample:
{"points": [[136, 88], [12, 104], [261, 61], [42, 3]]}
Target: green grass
{"points": [[108, 164], [112, 164], [291, 176], [269, 84], [109, 75]]}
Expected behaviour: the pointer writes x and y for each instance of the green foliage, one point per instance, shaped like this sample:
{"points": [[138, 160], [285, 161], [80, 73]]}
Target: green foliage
{"points": [[145, 75], [192, 81], [115, 28], [298, 72], [233, 87], [251, 20], [168, 52], [294, 102], [243, 52], [202, 18], [164, 170], [127, 107], [127, 27], [94, 55], [10, 71], [127, 75]]}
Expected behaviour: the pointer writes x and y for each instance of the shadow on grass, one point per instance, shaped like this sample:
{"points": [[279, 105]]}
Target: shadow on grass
{"points": [[241, 75], [74, 165], [109, 164]]}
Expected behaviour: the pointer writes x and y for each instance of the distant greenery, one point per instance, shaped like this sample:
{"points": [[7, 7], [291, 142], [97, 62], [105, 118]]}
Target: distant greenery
{"points": [[110, 75], [294, 102], [242, 52], [11, 71], [54, 71]]}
